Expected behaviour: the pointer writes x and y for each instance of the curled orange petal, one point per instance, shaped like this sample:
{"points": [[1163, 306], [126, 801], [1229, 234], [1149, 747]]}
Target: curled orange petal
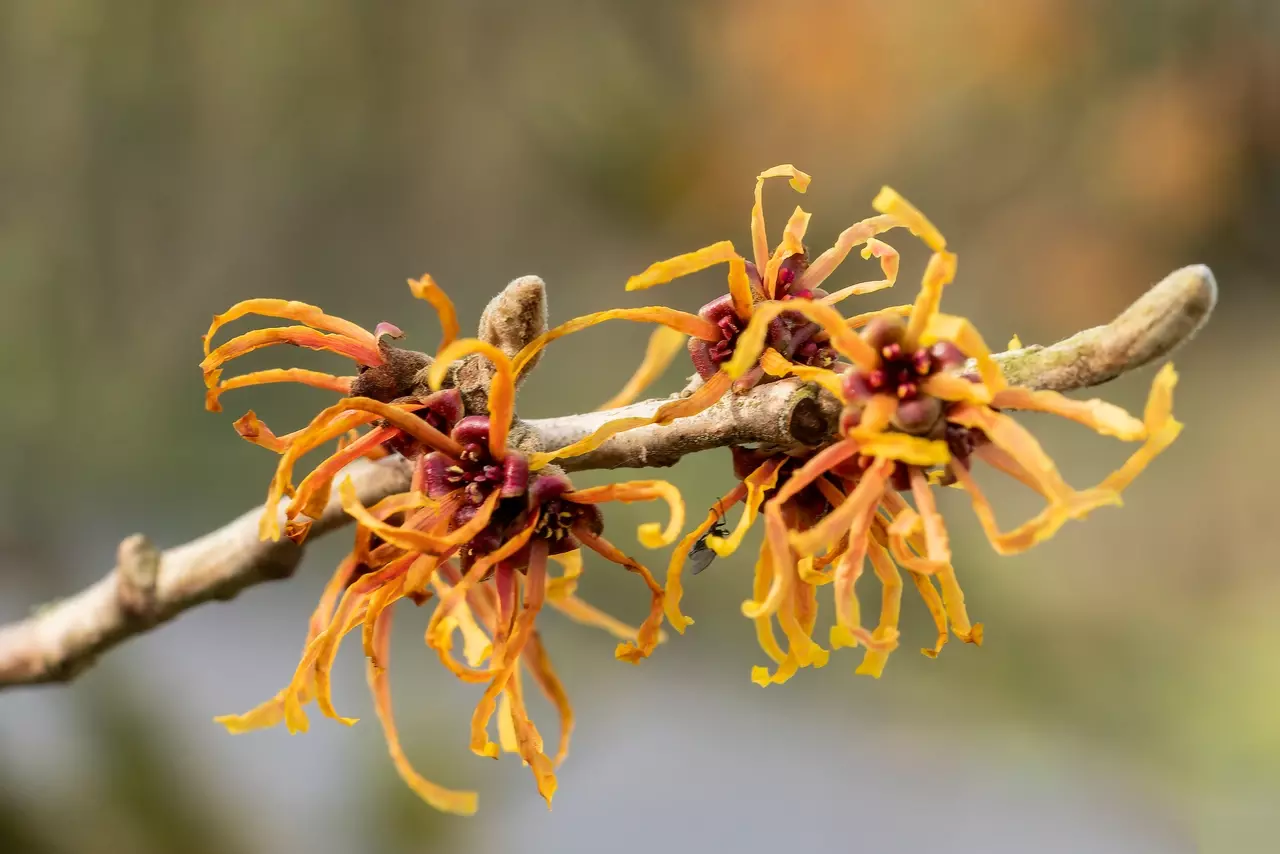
{"points": [[873, 660], [681, 321], [326, 426], [889, 262], [415, 540], [758, 483], [759, 236], [502, 391], [650, 534], [751, 343], [310, 315], [1160, 426], [661, 272], [674, 587], [254, 430], [792, 244], [446, 800], [1104, 418], [889, 202], [940, 272], [313, 492], [860, 320], [962, 333], [300, 336], [777, 365], [740, 289], [648, 634], [539, 664], [427, 289], [855, 510], [315, 379], [458, 594], [858, 233]]}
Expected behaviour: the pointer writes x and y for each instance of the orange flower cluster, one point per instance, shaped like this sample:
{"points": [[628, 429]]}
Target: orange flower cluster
{"points": [[484, 519], [476, 532], [923, 398]]}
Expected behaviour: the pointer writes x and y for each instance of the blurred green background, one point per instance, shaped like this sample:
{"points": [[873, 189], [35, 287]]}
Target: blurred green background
{"points": [[160, 160]]}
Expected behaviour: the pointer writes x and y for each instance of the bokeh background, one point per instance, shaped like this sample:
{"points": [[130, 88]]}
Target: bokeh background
{"points": [[160, 160]]}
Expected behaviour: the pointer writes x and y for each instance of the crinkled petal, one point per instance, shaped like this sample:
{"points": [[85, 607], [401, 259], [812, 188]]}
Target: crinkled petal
{"points": [[792, 244], [650, 534], [507, 655], [326, 426], [681, 321], [856, 516], [855, 235], [1161, 429], [874, 660], [940, 272], [674, 588], [759, 235], [764, 582], [254, 430], [313, 492], [648, 634], [796, 619], [539, 664], [271, 712], [889, 202], [955, 388], [581, 611], [427, 289], [781, 563], [300, 336], [938, 551], [502, 391], [740, 289], [567, 583], [446, 800], [415, 540], [889, 262], [758, 484], [1075, 505], [751, 343], [1011, 437], [860, 320], [529, 741], [912, 450], [777, 365], [449, 601], [1105, 418], [661, 272], [856, 507], [962, 333], [310, 315], [315, 379]]}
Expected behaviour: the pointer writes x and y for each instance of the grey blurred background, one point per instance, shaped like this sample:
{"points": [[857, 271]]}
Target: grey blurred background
{"points": [[160, 160]]}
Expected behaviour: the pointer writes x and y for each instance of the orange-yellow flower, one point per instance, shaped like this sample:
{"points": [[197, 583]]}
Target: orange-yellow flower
{"points": [[784, 275], [915, 415], [475, 531]]}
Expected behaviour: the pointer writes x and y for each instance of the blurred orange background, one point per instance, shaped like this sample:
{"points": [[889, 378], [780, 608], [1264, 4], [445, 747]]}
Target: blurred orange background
{"points": [[161, 160]]}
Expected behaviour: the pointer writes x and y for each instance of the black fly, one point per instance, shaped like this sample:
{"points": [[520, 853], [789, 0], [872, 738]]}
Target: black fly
{"points": [[701, 555]]}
